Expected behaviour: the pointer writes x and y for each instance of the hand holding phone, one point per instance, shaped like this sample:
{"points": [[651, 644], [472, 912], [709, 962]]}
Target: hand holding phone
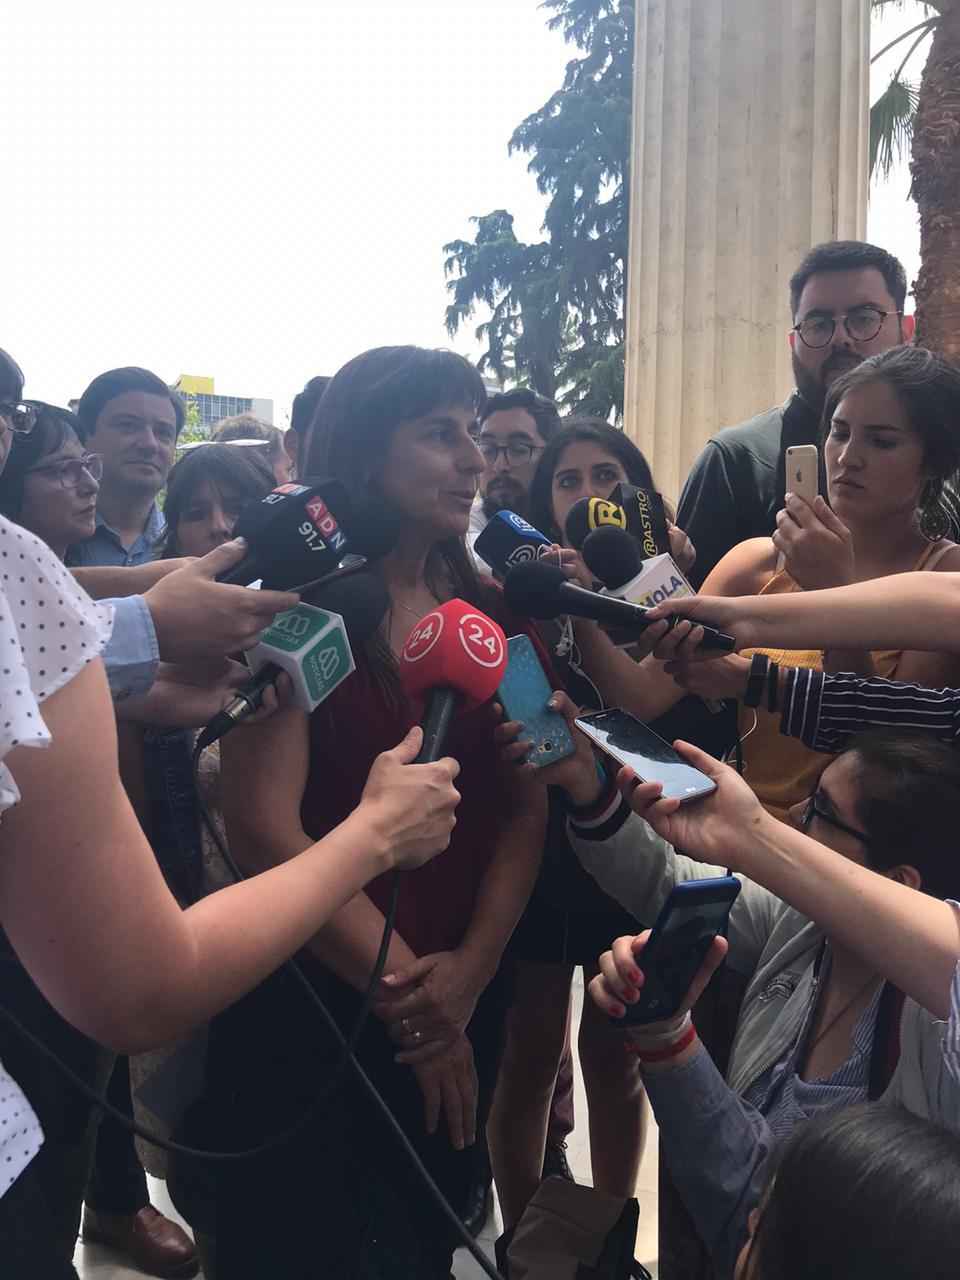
{"points": [[676, 960], [630, 742], [524, 693]]}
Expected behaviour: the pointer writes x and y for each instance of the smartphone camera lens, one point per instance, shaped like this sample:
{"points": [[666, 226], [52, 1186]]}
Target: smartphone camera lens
{"points": [[546, 747]]}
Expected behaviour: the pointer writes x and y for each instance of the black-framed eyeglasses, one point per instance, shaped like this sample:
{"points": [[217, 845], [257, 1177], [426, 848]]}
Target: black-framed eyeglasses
{"points": [[70, 471], [861, 324], [21, 417], [517, 454], [813, 810]]}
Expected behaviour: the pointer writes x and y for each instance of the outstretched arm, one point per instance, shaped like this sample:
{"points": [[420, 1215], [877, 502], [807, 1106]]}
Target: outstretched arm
{"points": [[87, 911], [903, 611], [909, 938]]}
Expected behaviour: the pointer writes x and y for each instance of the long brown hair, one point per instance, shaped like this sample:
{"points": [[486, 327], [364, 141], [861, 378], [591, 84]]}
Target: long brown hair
{"points": [[355, 420]]}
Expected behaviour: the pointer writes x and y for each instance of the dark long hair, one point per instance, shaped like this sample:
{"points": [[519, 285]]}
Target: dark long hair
{"points": [[224, 466], [869, 1191], [574, 431], [908, 802], [53, 428], [355, 419]]}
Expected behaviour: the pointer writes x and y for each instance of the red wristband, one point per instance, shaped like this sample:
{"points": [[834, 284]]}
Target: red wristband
{"points": [[671, 1051]]}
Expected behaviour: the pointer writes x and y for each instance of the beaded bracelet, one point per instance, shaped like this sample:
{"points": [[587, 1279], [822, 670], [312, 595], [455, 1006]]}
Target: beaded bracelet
{"points": [[759, 664]]}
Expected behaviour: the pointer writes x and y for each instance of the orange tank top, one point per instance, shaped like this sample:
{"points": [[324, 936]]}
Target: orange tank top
{"points": [[781, 771]]}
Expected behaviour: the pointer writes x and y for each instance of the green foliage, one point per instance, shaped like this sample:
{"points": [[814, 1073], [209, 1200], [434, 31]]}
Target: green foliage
{"points": [[891, 125], [192, 430], [893, 114], [556, 306]]}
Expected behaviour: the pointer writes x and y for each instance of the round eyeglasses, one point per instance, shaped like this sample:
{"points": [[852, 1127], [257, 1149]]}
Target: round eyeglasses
{"points": [[517, 455], [813, 810], [861, 324], [70, 471], [20, 417]]}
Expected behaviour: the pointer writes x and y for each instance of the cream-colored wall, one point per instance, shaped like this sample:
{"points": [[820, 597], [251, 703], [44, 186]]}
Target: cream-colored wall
{"points": [[750, 134]]}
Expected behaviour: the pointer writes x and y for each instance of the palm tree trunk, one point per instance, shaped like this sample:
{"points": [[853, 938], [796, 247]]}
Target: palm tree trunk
{"points": [[935, 169]]}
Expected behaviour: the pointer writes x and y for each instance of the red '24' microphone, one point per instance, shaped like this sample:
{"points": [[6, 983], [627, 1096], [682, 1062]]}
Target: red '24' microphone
{"points": [[453, 660]]}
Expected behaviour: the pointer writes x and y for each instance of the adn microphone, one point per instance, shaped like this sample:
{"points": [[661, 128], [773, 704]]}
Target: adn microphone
{"points": [[588, 514], [453, 660], [300, 532], [314, 645], [507, 540], [544, 591]]}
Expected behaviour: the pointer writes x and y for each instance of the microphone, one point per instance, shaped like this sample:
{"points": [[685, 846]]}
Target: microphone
{"points": [[588, 514], [453, 660], [614, 557], [544, 591], [314, 645], [646, 518], [301, 532], [507, 540]]}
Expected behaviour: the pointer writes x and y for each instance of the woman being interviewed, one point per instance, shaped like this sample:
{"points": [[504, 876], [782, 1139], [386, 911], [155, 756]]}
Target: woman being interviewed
{"points": [[394, 423]]}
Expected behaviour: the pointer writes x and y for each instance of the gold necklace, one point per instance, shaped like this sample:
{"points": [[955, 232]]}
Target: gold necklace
{"points": [[873, 979], [413, 612]]}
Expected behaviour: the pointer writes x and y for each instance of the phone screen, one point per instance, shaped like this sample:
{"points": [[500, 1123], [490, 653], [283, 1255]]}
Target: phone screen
{"points": [[681, 939], [628, 740]]}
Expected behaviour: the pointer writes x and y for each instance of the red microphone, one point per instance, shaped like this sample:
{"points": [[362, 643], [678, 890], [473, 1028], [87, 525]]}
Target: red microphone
{"points": [[453, 660]]}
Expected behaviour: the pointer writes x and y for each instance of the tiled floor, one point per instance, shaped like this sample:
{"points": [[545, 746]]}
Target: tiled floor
{"points": [[94, 1263]]}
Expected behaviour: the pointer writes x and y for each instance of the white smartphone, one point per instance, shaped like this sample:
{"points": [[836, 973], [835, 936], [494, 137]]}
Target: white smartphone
{"points": [[802, 477], [803, 471], [629, 741]]}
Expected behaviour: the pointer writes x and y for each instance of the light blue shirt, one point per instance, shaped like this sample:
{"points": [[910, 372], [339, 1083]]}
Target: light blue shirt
{"points": [[131, 654], [104, 547]]}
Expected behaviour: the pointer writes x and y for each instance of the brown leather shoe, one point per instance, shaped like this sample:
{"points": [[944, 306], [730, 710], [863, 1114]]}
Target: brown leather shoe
{"points": [[151, 1242]]}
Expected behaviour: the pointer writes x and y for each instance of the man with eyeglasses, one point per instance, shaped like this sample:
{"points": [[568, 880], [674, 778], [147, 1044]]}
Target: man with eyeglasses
{"points": [[514, 429], [847, 300], [133, 420]]}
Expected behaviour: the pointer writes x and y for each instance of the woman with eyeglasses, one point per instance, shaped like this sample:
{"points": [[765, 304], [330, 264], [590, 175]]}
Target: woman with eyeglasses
{"points": [[50, 484], [839, 1007], [890, 438]]}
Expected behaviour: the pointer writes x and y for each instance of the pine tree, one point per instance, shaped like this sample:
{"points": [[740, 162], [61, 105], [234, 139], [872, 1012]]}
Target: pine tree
{"points": [[556, 306]]}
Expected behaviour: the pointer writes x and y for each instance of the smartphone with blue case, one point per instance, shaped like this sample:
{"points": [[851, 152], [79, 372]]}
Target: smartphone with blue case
{"points": [[692, 916], [524, 692]]}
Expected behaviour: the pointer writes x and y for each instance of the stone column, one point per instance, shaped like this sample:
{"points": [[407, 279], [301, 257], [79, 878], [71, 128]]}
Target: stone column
{"points": [[750, 135]]}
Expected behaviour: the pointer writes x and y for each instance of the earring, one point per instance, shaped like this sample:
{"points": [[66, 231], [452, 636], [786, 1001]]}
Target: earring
{"points": [[934, 520]]}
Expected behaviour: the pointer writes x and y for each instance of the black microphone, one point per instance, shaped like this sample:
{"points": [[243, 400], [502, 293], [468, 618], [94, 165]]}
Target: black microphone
{"points": [[309, 646], [301, 532], [543, 591], [612, 556], [588, 514]]}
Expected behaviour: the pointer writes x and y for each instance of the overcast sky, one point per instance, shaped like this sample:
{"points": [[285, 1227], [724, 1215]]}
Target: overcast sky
{"points": [[257, 191]]}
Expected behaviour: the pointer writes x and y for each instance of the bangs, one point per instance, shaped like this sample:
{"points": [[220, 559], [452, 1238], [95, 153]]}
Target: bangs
{"points": [[422, 380]]}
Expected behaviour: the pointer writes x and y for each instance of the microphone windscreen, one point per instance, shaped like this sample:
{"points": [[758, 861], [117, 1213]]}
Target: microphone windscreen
{"points": [[588, 514], [361, 600], [375, 529], [507, 540], [532, 590], [455, 646], [297, 533], [612, 555]]}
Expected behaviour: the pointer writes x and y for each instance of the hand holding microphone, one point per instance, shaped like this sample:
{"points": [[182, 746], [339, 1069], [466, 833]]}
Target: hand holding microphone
{"points": [[543, 591], [198, 616]]}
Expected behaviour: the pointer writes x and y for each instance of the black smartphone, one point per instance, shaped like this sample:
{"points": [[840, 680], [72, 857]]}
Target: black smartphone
{"points": [[692, 916], [629, 741]]}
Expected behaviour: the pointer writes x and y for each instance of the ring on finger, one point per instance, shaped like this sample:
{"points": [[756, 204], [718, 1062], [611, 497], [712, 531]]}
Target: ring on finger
{"points": [[417, 1037], [405, 1023]]}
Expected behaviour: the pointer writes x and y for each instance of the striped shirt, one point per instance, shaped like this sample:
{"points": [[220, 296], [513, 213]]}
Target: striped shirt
{"points": [[825, 711]]}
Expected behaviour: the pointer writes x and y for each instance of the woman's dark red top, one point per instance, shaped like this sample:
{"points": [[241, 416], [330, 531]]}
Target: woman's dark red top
{"points": [[347, 732]]}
